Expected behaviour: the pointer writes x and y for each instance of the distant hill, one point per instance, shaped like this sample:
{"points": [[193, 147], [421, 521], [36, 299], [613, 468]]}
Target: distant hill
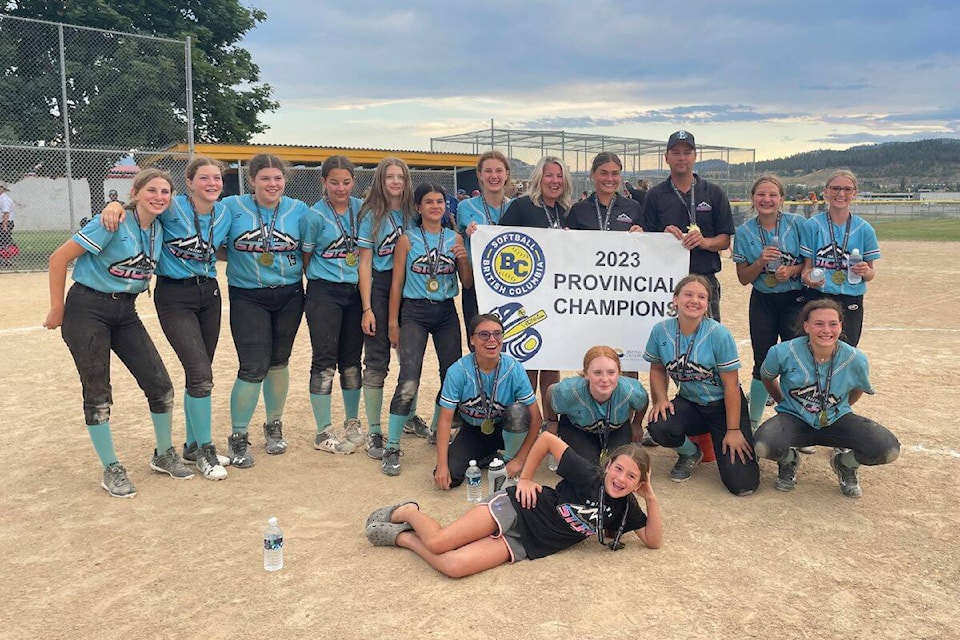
{"points": [[891, 165]]}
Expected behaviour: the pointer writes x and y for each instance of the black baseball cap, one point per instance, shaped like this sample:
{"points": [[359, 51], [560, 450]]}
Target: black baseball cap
{"points": [[681, 136]]}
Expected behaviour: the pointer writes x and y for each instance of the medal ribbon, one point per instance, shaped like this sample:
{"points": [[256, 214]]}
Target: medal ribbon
{"points": [[837, 259], [146, 250], [267, 234], [823, 391], [616, 545], [205, 249], [486, 401], [676, 349], [351, 238], [692, 208], [553, 219], [486, 211], [763, 241], [604, 431], [433, 264], [603, 224]]}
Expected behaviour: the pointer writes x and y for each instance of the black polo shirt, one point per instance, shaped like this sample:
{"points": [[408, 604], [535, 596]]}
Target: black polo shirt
{"points": [[522, 212], [623, 214], [662, 208]]}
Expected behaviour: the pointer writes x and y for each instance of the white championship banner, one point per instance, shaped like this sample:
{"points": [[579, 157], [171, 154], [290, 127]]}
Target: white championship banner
{"points": [[560, 292]]}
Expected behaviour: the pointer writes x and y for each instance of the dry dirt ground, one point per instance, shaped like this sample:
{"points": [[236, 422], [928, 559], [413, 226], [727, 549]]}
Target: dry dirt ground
{"points": [[183, 559]]}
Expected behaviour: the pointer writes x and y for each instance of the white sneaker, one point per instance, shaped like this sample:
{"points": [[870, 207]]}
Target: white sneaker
{"points": [[208, 463], [330, 443], [352, 428]]}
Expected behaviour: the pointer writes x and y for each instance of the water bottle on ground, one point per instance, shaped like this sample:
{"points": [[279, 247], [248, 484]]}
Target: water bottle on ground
{"points": [[817, 275], [496, 475], [474, 477], [272, 546], [774, 264], [855, 258], [552, 463]]}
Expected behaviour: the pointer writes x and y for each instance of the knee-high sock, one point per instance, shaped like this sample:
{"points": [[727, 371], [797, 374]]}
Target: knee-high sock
{"points": [[243, 402], [351, 402], [190, 437], [163, 429], [758, 400], [197, 412], [511, 444], [436, 417], [321, 410], [688, 448], [395, 430], [275, 387], [413, 406], [373, 407], [102, 440]]}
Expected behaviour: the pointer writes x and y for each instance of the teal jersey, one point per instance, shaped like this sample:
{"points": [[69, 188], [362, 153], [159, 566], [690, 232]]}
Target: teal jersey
{"points": [[832, 255], [711, 350], [751, 238], [391, 228], [189, 251], [477, 210], [571, 397], [438, 251], [461, 392], [332, 242], [793, 363], [121, 261], [250, 226]]}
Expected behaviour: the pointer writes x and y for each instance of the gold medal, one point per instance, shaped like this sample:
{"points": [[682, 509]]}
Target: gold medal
{"points": [[433, 285], [770, 280], [692, 228], [603, 457], [266, 259], [824, 421], [486, 427], [352, 259], [838, 277]]}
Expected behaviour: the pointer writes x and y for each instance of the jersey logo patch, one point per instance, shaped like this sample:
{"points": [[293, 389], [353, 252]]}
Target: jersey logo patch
{"points": [[473, 408], [389, 243], [682, 371], [421, 266], [192, 248], [825, 257], [139, 267], [704, 207], [580, 518], [252, 242], [807, 398]]}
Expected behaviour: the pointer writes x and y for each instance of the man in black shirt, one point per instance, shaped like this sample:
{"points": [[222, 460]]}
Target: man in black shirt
{"points": [[692, 209]]}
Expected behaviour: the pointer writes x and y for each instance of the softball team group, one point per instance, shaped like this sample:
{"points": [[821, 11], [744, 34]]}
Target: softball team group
{"points": [[383, 273]]}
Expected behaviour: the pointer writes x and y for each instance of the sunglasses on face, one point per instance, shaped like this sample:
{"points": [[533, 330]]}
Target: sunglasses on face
{"points": [[486, 335]]}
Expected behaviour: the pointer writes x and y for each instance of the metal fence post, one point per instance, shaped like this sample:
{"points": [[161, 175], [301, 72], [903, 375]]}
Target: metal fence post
{"points": [[65, 113]]}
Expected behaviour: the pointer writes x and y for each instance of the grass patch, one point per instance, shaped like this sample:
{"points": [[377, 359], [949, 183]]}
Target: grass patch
{"points": [[930, 229]]}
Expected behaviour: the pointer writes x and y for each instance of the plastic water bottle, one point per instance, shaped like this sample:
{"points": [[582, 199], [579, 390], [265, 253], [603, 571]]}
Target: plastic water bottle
{"points": [[496, 475], [855, 258], [817, 275], [774, 264], [272, 546], [552, 463], [474, 477]]}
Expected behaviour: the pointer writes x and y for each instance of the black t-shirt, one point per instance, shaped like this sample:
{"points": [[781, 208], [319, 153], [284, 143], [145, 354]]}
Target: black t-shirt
{"points": [[522, 212], [662, 208], [623, 214], [568, 514]]}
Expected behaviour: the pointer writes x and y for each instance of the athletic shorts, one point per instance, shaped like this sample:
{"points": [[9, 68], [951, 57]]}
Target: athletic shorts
{"points": [[505, 514]]}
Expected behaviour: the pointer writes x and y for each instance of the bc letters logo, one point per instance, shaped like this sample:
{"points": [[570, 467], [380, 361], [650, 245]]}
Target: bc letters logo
{"points": [[513, 264]]}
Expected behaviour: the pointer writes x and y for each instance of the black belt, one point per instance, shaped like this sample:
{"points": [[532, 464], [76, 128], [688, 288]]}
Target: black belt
{"points": [[195, 281], [108, 296]]}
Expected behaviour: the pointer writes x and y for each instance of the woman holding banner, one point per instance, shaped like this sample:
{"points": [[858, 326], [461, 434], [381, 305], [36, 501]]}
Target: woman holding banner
{"points": [[605, 210], [545, 207], [700, 355]]}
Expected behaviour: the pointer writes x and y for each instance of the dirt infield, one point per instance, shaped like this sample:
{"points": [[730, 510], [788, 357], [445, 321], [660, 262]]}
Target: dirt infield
{"points": [[183, 558]]}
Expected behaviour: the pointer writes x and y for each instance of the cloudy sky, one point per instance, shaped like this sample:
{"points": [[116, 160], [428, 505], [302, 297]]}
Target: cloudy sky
{"points": [[780, 77]]}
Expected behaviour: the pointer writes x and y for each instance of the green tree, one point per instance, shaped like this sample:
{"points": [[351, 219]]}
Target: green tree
{"points": [[129, 92]]}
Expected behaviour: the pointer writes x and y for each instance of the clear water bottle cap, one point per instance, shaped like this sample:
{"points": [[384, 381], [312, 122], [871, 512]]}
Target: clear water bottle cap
{"points": [[272, 522], [473, 463], [496, 463], [855, 252]]}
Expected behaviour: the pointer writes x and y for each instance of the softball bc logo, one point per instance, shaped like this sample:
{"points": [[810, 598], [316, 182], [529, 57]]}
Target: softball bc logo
{"points": [[512, 264]]}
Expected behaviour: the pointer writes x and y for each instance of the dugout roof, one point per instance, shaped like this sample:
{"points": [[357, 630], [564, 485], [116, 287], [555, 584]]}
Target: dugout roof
{"points": [[313, 156]]}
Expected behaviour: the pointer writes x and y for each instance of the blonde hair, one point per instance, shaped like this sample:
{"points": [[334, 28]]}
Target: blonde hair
{"points": [[141, 180], [536, 192], [843, 173]]}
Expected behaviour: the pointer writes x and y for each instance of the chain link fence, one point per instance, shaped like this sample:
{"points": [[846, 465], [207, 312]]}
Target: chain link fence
{"points": [[80, 109]]}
